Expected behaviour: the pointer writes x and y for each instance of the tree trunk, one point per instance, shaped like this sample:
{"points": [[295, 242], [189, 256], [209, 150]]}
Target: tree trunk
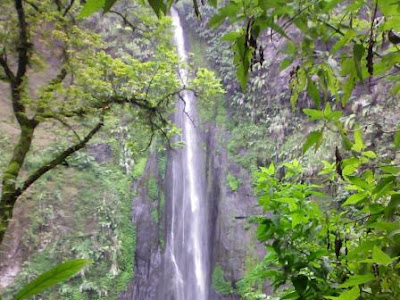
{"points": [[10, 176]]}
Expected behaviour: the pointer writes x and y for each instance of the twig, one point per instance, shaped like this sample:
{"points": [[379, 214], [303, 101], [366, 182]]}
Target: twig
{"points": [[71, 3]]}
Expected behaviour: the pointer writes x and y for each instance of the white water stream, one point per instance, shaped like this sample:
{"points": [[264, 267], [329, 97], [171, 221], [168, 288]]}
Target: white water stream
{"points": [[187, 240]]}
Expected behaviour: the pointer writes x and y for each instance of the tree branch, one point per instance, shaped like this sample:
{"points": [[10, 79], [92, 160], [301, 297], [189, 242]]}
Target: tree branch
{"points": [[125, 19], [33, 5], [57, 160], [66, 125], [9, 75], [23, 44], [71, 3]]}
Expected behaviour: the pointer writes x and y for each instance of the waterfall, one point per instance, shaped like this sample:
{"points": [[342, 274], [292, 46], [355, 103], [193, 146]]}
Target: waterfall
{"points": [[187, 242], [181, 270]]}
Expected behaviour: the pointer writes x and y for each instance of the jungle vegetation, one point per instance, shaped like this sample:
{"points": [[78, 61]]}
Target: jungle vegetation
{"points": [[333, 233]]}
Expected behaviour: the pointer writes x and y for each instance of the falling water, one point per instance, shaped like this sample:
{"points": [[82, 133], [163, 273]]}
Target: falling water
{"points": [[186, 251]]}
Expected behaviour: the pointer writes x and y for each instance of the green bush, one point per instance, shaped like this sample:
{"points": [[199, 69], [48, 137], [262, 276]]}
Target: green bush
{"points": [[233, 182], [152, 189], [139, 167], [219, 283]]}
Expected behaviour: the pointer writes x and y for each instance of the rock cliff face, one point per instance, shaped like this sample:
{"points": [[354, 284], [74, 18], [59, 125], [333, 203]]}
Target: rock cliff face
{"points": [[148, 251], [231, 242], [233, 239]]}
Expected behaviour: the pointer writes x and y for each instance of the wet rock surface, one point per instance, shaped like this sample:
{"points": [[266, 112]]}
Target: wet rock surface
{"points": [[147, 259]]}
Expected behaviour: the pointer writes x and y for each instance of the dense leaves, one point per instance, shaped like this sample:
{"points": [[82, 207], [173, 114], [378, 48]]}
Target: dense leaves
{"points": [[323, 253]]}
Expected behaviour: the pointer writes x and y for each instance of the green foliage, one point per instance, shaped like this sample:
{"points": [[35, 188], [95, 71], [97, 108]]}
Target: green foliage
{"points": [[219, 284], [154, 215], [52, 277], [233, 182], [91, 7], [152, 189], [139, 167], [314, 139], [338, 69], [209, 92], [247, 143], [107, 237], [322, 253], [162, 163], [250, 286]]}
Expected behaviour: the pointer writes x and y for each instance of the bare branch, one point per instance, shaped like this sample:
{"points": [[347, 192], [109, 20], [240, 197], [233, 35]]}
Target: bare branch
{"points": [[150, 141], [184, 110], [66, 125], [150, 83], [125, 19], [71, 3], [33, 5]]}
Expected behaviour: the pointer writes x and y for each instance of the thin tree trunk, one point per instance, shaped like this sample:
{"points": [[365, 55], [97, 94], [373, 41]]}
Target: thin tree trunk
{"points": [[10, 177]]}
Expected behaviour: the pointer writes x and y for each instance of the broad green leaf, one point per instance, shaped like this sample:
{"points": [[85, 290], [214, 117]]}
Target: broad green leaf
{"points": [[388, 7], [333, 115], [352, 294], [380, 257], [358, 141], [344, 40], [108, 5], [348, 88], [271, 169], [393, 206], [348, 170], [347, 144], [158, 6], [358, 52], [264, 230], [369, 154], [90, 7], [384, 186], [357, 279], [292, 202], [313, 92], [242, 59], [359, 182], [354, 199], [329, 168], [386, 226], [315, 139], [264, 200], [229, 10], [285, 63], [231, 36], [56, 275], [391, 170], [297, 218], [242, 74], [300, 283], [355, 5], [314, 114], [353, 161], [361, 250], [293, 98]]}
